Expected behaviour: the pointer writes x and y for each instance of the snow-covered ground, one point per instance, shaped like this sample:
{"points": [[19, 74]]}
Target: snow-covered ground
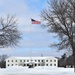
{"points": [[15, 70]]}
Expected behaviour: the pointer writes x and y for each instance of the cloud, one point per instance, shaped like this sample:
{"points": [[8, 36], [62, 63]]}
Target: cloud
{"points": [[22, 12], [24, 9]]}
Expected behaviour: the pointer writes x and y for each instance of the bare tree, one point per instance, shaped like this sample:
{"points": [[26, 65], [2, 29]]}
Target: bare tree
{"points": [[62, 61], [2, 60], [9, 34], [60, 17], [69, 61]]}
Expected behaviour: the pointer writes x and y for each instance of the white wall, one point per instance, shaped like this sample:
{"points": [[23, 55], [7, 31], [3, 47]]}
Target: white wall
{"points": [[51, 62], [48, 61], [10, 62]]}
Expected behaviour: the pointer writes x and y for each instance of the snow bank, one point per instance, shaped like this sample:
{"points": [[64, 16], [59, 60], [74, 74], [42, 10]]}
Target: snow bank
{"points": [[19, 70]]}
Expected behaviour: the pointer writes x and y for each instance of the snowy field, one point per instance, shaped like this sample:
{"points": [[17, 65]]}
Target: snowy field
{"points": [[36, 71]]}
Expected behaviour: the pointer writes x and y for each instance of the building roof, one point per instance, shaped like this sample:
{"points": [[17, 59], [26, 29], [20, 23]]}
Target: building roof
{"points": [[33, 57]]}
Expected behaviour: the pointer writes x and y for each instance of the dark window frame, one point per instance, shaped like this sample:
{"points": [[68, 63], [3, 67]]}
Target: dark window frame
{"points": [[50, 64], [54, 60], [46, 60]]}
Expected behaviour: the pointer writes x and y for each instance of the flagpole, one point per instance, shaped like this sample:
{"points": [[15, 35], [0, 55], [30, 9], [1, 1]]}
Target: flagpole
{"points": [[33, 22], [30, 43]]}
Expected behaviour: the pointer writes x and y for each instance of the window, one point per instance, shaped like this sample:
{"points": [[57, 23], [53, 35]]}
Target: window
{"points": [[12, 64], [24, 64], [24, 60], [27, 60], [35, 64], [50, 64], [35, 60], [38, 60], [27, 64], [12, 60], [46, 64], [42, 60], [54, 64], [50, 60], [8, 60], [46, 60], [16, 60], [20, 60], [8, 64], [54, 60], [38, 64]]}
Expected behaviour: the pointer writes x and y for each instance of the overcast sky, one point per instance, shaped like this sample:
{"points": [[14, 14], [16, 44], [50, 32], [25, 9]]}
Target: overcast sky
{"points": [[41, 39]]}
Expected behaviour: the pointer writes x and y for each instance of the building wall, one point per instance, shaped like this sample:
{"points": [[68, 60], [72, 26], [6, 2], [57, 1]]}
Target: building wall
{"points": [[13, 61], [51, 62]]}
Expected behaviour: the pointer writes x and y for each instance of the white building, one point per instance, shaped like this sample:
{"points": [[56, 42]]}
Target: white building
{"points": [[36, 61]]}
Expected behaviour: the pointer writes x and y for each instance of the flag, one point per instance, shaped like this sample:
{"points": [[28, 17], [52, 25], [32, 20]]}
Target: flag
{"points": [[35, 21]]}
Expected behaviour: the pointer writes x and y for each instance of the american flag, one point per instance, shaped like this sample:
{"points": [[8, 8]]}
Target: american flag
{"points": [[35, 21]]}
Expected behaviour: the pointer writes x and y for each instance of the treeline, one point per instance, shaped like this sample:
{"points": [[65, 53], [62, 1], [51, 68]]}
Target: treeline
{"points": [[65, 61], [2, 61]]}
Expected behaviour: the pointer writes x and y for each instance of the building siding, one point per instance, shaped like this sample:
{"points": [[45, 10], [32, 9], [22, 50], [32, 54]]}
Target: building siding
{"points": [[39, 61]]}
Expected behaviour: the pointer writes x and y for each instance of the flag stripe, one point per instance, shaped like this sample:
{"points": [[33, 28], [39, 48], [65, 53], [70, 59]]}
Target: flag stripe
{"points": [[35, 21]]}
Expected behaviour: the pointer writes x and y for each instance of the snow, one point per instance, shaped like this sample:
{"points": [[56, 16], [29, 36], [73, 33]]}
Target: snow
{"points": [[34, 57], [19, 70]]}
